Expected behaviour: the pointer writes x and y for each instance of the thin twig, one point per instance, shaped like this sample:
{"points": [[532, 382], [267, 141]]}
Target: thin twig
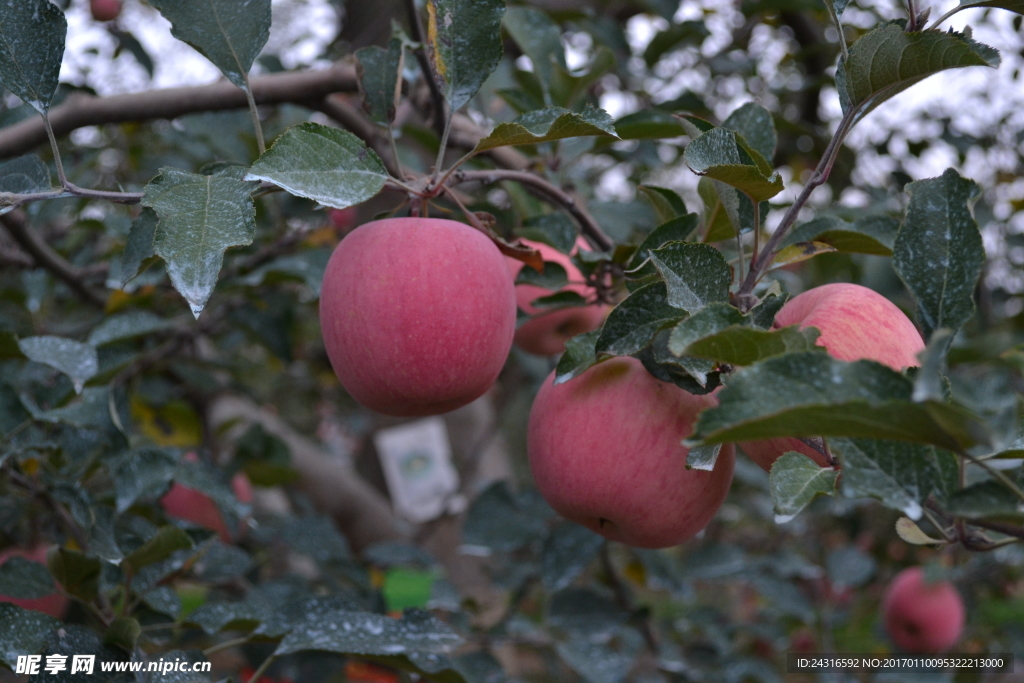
{"points": [[912, 11], [56, 152], [227, 645], [760, 263], [588, 226], [47, 258], [261, 144], [947, 15], [1000, 527], [262, 669]]}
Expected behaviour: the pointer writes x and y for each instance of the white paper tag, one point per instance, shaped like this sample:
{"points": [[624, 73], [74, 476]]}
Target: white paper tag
{"points": [[417, 463]]}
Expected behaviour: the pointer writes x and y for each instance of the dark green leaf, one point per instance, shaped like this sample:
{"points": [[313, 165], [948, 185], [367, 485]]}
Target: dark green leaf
{"points": [[328, 165], [695, 274], [553, 229], [78, 574], [938, 252], [379, 79], [868, 235], [721, 209], [548, 125], [167, 541], [92, 409], [124, 633], [539, 38], [567, 552], [649, 124], [580, 355], [675, 36], [679, 229], [75, 359], [986, 500], [227, 32], [695, 375], [200, 218], [633, 323], [667, 203], [763, 314], [849, 567], [129, 325], [22, 578], [32, 34], [721, 333], [794, 481], [23, 175], [901, 475], [558, 300], [464, 44], [140, 245], [502, 522], [569, 89], [703, 457], [554, 276], [1016, 6], [757, 127], [812, 394], [601, 662], [889, 60], [22, 632], [723, 155]]}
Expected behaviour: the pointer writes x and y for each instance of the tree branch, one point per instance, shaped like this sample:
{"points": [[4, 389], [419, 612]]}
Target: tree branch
{"points": [[45, 257], [84, 110], [588, 226]]}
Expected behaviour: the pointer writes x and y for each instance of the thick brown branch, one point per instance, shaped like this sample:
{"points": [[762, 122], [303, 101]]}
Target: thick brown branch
{"points": [[83, 110], [45, 257]]}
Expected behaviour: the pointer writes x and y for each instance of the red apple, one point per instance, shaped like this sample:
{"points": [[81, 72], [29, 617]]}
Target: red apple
{"points": [[105, 10], [546, 333], [56, 605], [417, 315], [605, 450], [856, 323], [922, 617], [196, 507]]}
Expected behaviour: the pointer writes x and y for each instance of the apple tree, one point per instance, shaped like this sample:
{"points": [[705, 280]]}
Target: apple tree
{"points": [[769, 377]]}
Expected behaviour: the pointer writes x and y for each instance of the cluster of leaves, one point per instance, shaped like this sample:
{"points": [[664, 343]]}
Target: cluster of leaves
{"points": [[98, 409]]}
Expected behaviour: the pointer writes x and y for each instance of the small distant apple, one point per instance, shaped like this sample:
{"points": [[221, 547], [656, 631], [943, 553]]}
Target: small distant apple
{"points": [[105, 10], [56, 605], [545, 334], [196, 507], [343, 220], [920, 616]]}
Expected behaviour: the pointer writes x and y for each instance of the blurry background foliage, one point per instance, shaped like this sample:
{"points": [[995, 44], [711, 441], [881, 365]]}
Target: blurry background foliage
{"points": [[534, 598]]}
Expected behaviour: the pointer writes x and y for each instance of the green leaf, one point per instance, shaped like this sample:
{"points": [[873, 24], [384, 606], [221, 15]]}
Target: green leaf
{"points": [[540, 39], [167, 541], [888, 60], [721, 333], [721, 210], [92, 409], [328, 165], [77, 573], [986, 500], [75, 359], [678, 229], [140, 245], [567, 552], [695, 274], [554, 277], [25, 579], [794, 481], [379, 79], [599, 661], [227, 32], [22, 632], [137, 323], [812, 394], [703, 457], [799, 252], [849, 567], [558, 300], [501, 521], [695, 375], [633, 323], [722, 155], [676, 35], [901, 475], [464, 45], [667, 203], [570, 88], [24, 175], [124, 633], [757, 127], [869, 235], [579, 356], [200, 218], [1016, 6], [649, 124], [938, 251], [553, 229], [32, 34], [547, 125]]}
